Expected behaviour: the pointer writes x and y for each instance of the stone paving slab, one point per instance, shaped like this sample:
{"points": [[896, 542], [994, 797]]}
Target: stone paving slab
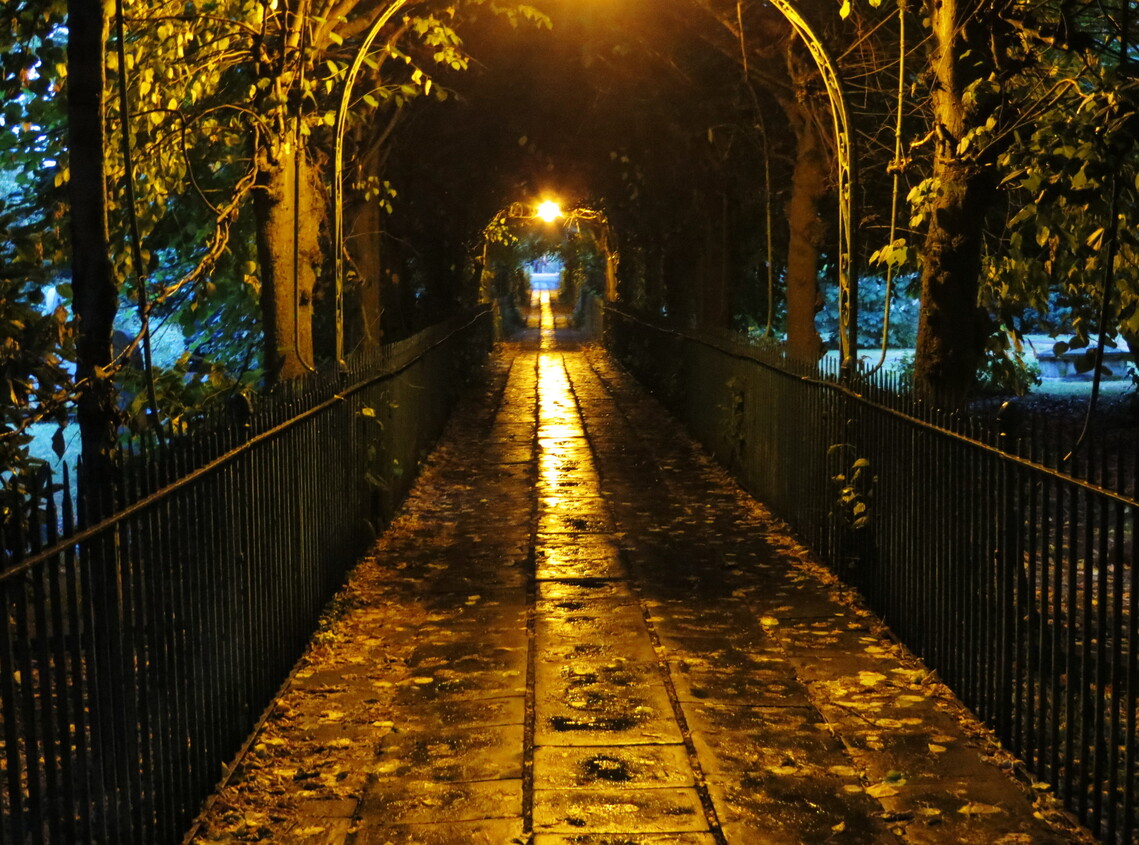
{"points": [[580, 631], [433, 802], [485, 832], [624, 839], [754, 811], [618, 810], [635, 766], [468, 713], [454, 755], [575, 556]]}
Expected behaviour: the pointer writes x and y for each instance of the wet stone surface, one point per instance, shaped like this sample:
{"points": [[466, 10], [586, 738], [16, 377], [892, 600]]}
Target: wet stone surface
{"points": [[454, 755], [576, 556], [432, 803], [624, 839], [616, 810], [633, 766], [485, 832], [579, 631]]}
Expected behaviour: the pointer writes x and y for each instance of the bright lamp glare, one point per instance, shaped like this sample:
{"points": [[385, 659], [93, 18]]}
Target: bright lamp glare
{"points": [[549, 211]]}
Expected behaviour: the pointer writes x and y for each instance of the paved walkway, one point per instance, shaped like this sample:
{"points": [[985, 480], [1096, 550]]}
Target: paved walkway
{"points": [[580, 631]]}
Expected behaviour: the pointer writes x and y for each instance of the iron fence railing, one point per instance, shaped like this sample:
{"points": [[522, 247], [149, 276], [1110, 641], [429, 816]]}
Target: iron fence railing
{"points": [[1013, 579], [137, 652]]}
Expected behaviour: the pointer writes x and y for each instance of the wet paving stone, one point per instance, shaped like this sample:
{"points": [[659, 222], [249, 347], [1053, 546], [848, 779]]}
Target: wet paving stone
{"points": [[585, 589], [663, 810], [718, 629], [451, 684], [488, 832], [561, 556], [561, 636], [560, 432], [432, 803], [469, 580], [634, 766], [738, 648], [469, 713], [742, 686], [787, 810], [502, 452], [596, 713], [795, 724], [624, 839], [453, 755], [467, 657], [963, 812], [566, 604], [573, 503], [567, 521], [799, 754]]}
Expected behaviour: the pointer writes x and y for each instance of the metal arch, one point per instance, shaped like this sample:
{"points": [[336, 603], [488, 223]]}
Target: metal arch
{"points": [[338, 166], [597, 217], [593, 216], [844, 153], [844, 149]]}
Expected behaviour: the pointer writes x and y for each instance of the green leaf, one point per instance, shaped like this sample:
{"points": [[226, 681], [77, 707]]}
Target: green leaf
{"points": [[1086, 362]]}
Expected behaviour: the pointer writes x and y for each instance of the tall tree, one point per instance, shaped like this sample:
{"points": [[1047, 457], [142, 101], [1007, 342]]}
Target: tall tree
{"points": [[92, 280], [969, 37], [810, 182]]}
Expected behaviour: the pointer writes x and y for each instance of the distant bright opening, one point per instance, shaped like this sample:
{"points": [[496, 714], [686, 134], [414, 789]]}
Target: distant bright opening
{"points": [[545, 273]]}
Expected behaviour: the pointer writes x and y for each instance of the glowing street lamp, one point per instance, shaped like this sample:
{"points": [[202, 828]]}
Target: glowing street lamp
{"points": [[549, 211]]}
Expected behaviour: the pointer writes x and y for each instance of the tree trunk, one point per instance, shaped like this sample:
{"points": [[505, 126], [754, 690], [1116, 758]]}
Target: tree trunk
{"points": [[95, 293], [109, 752], [363, 243], [715, 299], [952, 329], [288, 211], [808, 187]]}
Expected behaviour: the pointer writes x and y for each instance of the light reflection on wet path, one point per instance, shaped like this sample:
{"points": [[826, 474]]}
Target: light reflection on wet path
{"points": [[608, 752]]}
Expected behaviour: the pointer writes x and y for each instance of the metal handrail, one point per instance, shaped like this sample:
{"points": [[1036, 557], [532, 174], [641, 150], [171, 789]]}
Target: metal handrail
{"points": [[738, 353], [221, 461]]}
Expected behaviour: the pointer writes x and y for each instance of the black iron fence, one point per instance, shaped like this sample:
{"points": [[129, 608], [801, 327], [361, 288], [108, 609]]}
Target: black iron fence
{"points": [[1013, 579], [137, 653]]}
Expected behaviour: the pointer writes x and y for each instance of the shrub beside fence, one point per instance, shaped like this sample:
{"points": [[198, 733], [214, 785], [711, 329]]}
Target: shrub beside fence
{"points": [[1011, 578], [137, 653]]}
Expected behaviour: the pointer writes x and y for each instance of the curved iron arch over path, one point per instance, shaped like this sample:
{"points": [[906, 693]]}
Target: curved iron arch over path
{"points": [[844, 157]]}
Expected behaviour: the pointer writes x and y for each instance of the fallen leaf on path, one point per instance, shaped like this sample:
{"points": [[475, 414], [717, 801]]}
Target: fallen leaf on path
{"points": [[881, 790]]}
